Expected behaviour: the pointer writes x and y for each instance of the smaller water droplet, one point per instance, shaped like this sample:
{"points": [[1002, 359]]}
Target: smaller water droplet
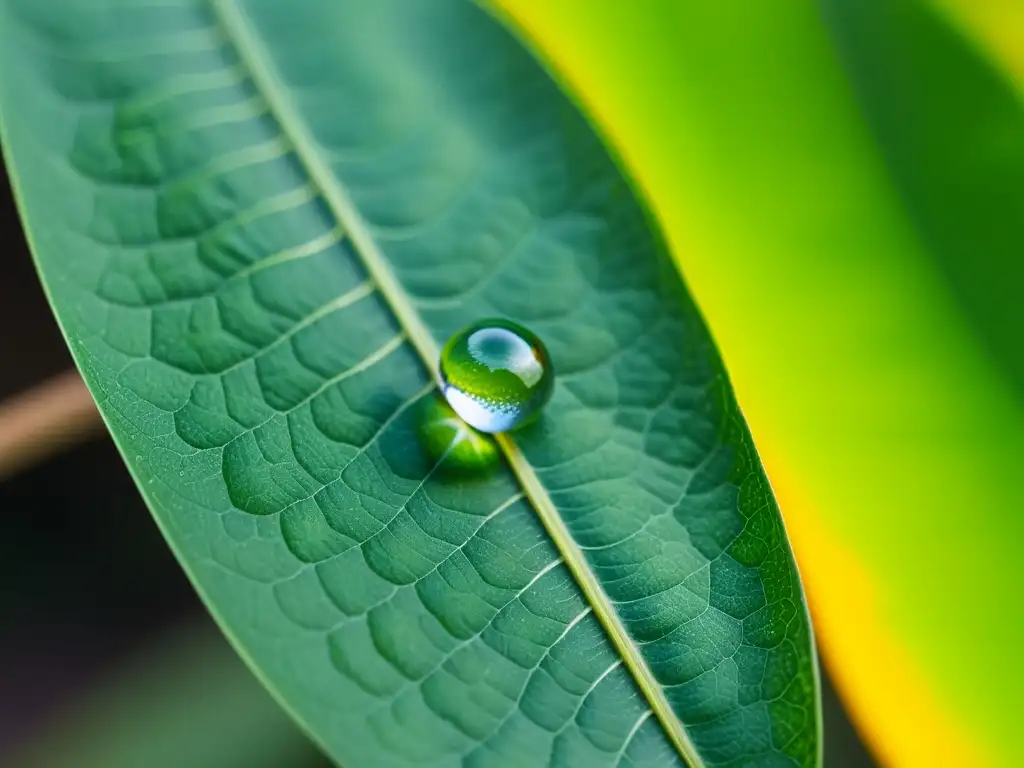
{"points": [[447, 438], [496, 375]]}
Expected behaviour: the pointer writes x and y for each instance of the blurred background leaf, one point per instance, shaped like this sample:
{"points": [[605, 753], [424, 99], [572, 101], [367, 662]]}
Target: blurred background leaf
{"points": [[996, 28], [842, 185]]}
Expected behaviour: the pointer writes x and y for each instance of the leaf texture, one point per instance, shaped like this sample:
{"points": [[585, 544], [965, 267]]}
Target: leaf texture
{"points": [[257, 221]]}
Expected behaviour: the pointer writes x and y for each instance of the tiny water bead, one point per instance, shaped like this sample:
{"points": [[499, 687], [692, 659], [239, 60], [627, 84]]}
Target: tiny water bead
{"points": [[496, 375], [448, 439]]}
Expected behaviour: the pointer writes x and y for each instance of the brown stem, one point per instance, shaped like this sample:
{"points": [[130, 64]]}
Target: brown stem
{"points": [[45, 420]]}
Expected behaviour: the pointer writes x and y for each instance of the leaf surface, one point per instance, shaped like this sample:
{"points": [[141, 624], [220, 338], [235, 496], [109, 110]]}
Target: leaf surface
{"points": [[257, 222]]}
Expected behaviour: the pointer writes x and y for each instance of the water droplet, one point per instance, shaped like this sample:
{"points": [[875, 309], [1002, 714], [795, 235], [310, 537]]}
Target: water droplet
{"points": [[447, 438], [496, 375]]}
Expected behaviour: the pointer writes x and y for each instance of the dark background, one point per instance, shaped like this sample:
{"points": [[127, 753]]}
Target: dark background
{"points": [[86, 581]]}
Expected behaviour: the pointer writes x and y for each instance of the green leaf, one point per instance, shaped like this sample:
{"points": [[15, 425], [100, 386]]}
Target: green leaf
{"points": [[950, 130], [257, 222]]}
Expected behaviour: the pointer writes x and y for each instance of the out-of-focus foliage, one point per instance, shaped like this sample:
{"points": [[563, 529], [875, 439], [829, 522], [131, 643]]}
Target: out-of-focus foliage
{"points": [[843, 185], [996, 27], [188, 701]]}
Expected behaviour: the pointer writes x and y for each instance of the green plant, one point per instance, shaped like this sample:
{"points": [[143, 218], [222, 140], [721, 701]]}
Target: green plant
{"points": [[257, 223]]}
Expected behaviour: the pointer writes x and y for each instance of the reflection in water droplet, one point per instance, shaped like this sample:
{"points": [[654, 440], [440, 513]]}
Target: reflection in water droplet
{"points": [[496, 375], [445, 437]]}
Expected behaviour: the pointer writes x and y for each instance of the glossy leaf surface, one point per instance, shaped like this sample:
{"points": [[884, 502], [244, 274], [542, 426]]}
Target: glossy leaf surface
{"points": [[257, 222], [838, 181]]}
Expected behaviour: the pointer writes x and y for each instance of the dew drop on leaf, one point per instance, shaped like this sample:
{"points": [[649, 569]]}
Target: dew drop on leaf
{"points": [[449, 440], [496, 375]]}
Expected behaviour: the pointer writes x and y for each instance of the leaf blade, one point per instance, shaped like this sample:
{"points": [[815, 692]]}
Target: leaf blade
{"points": [[284, 455]]}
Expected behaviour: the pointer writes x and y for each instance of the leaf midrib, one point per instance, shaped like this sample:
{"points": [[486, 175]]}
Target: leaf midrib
{"points": [[242, 35]]}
